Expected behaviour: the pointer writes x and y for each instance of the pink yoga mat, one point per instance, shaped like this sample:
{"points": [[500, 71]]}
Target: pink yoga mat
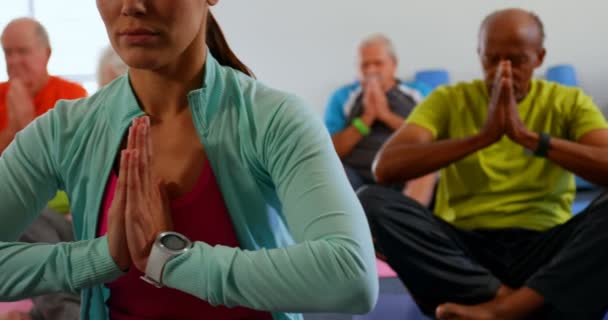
{"points": [[384, 270], [23, 305]]}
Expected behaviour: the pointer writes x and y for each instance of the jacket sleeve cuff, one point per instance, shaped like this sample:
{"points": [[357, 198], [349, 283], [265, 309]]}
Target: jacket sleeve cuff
{"points": [[92, 263]]}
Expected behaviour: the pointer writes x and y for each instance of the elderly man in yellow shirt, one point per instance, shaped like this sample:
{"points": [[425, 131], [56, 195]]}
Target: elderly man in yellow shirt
{"points": [[500, 243]]}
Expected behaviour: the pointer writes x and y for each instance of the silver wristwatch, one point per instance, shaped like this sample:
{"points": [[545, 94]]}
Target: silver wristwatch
{"points": [[167, 246]]}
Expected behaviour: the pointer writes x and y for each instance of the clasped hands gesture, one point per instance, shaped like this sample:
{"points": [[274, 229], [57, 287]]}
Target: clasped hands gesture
{"points": [[140, 209], [19, 105], [375, 104], [503, 116]]}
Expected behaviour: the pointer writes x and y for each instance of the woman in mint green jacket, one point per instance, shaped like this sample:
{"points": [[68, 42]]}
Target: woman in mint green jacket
{"points": [[304, 244]]}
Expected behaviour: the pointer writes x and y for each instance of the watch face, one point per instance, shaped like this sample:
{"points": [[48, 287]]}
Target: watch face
{"points": [[173, 242]]}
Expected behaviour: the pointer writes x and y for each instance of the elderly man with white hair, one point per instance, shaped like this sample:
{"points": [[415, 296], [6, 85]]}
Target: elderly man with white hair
{"points": [[110, 67], [361, 116]]}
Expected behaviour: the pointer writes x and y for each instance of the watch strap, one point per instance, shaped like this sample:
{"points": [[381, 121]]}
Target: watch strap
{"points": [[544, 140], [158, 258], [155, 267]]}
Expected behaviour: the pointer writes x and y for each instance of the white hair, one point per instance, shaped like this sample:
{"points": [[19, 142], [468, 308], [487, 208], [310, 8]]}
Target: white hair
{"points": [[110, 59], [378, 38]]}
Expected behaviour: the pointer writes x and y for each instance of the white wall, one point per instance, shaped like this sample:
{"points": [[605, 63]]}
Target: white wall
{"points": [[308, 47]]}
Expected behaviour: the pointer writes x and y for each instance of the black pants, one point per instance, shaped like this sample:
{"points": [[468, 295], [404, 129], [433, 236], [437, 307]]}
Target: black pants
{"points": [[438, 263], [356, 178]]}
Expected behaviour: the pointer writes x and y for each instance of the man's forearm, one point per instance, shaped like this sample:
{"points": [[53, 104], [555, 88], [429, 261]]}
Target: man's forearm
{"points": [[346, 140], [397, 161], [587, 158], [393, 120]]}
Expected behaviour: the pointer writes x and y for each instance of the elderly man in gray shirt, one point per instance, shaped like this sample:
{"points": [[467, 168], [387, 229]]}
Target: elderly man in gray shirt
{"points": [[363, 115]]}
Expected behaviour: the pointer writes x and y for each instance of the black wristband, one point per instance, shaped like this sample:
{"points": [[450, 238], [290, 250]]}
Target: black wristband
{"points": [[543, 144]]}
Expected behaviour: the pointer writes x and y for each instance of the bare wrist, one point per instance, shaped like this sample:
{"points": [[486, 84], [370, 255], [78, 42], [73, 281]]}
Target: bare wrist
{"points": [[122, 260], [482, 140], [384, 116], [368, 119], [528, 139]]}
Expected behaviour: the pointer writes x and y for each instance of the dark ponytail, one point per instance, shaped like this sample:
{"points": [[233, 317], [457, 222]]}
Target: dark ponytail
{"points": [[219, 47]]}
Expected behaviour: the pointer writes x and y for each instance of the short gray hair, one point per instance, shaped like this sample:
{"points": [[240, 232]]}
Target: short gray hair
{"points": [[109, 58], [378, 38], [42, 34]]}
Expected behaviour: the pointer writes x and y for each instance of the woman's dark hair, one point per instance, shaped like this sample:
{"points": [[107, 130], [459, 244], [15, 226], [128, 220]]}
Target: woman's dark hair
{"points": [[220, 49]]}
